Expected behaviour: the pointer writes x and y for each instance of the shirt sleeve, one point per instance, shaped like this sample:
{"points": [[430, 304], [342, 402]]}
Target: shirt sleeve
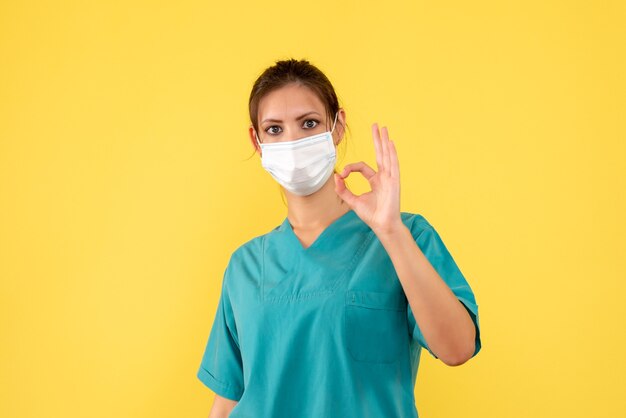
{"points": [[221, 368], [434, 249]]}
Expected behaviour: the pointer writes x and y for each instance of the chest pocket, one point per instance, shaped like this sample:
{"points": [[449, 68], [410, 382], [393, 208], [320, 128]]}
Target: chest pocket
{"points": [[374, 323]]}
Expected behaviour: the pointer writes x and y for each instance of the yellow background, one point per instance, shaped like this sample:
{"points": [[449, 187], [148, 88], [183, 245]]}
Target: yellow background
{"points": [[125, 185]]}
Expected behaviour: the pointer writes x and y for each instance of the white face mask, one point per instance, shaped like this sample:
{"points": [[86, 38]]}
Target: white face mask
{"points": [[301, 166]]}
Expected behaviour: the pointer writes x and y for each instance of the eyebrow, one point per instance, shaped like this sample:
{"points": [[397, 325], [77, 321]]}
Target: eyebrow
{"points": [[298, 118]]}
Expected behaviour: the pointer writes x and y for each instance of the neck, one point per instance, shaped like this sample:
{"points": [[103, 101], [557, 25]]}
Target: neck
{"points": [[317, 209]]}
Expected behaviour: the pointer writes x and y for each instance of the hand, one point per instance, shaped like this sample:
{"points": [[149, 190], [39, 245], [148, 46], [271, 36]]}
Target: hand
{"points": [[380, 207]]}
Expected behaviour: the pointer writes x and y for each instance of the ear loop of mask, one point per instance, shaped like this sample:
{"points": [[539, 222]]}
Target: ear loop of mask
{"points": [[331, 131], [334, 123]]}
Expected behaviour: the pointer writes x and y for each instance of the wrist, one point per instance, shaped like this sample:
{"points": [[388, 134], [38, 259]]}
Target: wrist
{"points": [[391, 232]]}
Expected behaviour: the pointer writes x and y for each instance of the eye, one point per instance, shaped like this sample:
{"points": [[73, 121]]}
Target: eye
{"points": [[270, 129], [310, 123]]}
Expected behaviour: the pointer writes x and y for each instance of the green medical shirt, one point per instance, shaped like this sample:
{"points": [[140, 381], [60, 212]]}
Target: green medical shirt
{"points": [[324, 331]]}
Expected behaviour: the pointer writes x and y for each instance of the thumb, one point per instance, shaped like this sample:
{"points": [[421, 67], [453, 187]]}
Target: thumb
{"points": [[343, 192]]}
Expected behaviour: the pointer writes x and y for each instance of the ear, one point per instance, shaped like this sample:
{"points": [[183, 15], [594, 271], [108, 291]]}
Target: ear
{"points": [[340, 128], [253, 139]]}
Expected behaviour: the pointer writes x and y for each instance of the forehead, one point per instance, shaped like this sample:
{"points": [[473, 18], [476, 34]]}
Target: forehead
{"points": [[289, 102]]}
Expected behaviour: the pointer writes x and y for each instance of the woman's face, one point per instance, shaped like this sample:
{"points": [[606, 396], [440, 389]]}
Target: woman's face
{"points": [[293, 112]]}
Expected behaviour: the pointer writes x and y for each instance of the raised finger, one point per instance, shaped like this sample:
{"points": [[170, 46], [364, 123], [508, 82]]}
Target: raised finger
{"points": [[394, 164], [385, 146], [377, 147]]}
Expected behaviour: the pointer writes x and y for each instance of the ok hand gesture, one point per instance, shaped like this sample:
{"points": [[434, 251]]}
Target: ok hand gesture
{"points": [[380, 207]]}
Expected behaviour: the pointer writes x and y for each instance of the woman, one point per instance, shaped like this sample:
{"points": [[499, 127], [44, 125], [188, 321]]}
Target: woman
{"points": [[326, 314]]}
